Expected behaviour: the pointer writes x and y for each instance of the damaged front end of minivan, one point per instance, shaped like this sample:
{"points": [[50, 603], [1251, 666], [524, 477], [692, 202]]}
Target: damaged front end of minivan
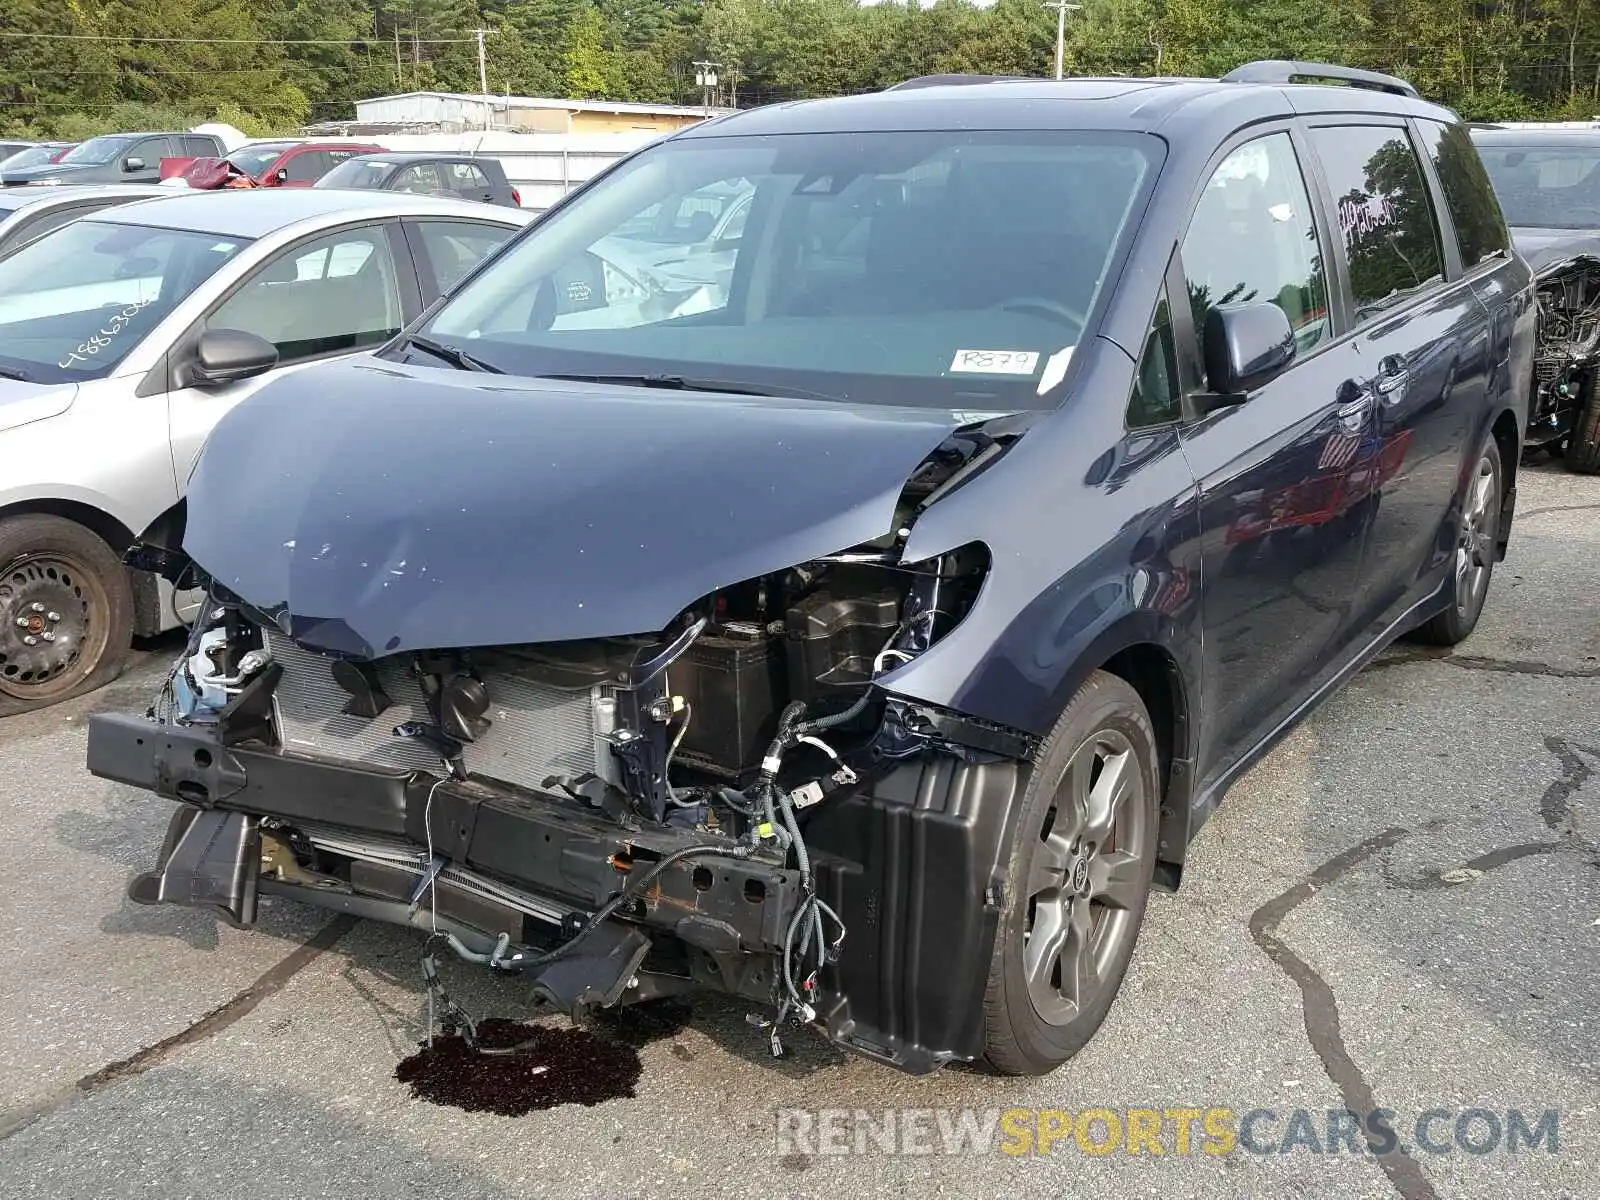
{"points": [[615, 724]]}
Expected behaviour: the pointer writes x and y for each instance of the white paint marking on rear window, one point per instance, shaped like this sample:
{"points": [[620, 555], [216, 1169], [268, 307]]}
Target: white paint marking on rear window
{"points": [[995, 362]]}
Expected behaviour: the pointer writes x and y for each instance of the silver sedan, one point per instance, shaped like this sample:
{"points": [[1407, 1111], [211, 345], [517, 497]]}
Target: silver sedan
{"points": [[124, 337], [31, 212]]}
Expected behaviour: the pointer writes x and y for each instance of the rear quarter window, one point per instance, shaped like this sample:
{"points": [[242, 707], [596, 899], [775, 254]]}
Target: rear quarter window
{"points": [[1468, 194]]}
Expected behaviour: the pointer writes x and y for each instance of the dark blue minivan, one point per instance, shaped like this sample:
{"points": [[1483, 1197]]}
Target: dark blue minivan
{"points": [[858, 607]]}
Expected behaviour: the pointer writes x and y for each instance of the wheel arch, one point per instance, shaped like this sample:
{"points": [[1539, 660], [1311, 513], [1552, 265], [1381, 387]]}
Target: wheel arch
{"points": [[1146, 652], [99, 522], [115, 534], [1507, 433]]}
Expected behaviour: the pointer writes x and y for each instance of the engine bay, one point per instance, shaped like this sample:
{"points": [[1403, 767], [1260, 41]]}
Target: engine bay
{"points": [[1567, 350]]}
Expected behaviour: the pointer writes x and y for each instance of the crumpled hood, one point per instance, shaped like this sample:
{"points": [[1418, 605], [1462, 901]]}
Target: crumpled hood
{"points": [[24, 403], [371, 508], [1545, 248]]}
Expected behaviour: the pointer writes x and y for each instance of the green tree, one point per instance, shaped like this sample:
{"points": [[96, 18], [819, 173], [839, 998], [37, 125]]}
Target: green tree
{"points": [[585, 59]]}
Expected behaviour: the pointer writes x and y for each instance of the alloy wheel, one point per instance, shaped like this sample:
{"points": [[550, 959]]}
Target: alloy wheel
{"points": [[1086, 879], [1480, 524]]}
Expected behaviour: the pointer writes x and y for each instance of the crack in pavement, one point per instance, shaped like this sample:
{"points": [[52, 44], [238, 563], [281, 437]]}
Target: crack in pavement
{"points": [[1554, 809], [1555, 508], [269, 983], [1555, 805], [1469, 662], [1481, 865], [1321, 1009]]}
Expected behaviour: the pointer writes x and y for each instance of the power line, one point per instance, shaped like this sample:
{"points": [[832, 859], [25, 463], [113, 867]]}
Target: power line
{"points": [[172, 41]]}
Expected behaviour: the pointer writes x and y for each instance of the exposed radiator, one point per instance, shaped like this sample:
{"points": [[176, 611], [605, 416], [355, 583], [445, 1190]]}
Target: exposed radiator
{"points": [[537, 731]]}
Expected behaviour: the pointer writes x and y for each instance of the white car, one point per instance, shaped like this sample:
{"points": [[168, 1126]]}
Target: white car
{"points": [[125, 336], [30, 212]]}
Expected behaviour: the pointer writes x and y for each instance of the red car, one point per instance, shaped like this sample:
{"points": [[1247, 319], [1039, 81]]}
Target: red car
{"points": [[265, 164]]}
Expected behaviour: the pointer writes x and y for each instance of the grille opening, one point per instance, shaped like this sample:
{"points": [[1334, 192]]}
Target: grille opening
{"points": [[537, 731]]}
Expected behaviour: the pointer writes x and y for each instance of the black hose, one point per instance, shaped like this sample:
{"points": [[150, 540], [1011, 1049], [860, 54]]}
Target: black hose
{"points": [[628, 892]]}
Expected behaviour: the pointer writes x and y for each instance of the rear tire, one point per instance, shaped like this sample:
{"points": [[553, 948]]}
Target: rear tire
{"points": [[1472, 566], [1081, 860], [66, 612]]}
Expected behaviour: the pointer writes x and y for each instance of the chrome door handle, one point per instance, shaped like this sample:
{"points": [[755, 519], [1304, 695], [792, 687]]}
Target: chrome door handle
{"points": [[1393, 375], [1355, 401]]}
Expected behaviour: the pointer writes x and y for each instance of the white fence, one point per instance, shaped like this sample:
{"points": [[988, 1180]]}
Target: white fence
{"points": [[543, 167]]}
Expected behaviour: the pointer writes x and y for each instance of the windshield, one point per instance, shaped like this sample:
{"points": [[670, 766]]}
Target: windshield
{"points": [[98, 150], [74, 302], [33, 156], [923, 268], [1544, 186], [253, 160], [356, 173]]}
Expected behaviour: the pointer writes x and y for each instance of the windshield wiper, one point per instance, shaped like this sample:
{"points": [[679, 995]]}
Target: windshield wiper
{"points": [[13, 373], [459, 359], [688, 383]]}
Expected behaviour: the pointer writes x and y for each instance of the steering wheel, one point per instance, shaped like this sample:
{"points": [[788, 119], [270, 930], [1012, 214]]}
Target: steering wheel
{"points": [[1050, 310]]}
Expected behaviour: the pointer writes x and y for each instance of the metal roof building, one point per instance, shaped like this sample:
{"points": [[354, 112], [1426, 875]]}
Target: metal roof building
{"points": [[461, 112]]}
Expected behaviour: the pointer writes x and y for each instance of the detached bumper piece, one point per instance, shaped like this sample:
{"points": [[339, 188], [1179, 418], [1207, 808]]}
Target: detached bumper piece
{"points": [[210, 860]]}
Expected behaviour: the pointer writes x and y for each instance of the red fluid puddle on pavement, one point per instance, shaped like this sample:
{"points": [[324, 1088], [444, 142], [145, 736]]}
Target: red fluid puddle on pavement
{"points": [[552, 1067]]}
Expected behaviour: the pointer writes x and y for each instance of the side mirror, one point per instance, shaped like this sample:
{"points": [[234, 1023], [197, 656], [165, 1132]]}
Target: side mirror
{"points": [[281, 174], [133, 164], [227, 356], [1244, 346]]}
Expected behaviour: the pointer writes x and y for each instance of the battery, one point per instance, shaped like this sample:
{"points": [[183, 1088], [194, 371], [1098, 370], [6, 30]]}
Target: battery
{"points": [[730, 676]]}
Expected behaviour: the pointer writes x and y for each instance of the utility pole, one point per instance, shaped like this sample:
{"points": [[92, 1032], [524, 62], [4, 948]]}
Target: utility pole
{"points": [[483, 81], [399, 77], [1062, 8], [705, 74]]}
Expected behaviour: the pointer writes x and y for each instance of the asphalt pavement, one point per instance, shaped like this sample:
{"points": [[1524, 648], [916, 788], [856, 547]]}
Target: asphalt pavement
{"points": [[1398, 909]]}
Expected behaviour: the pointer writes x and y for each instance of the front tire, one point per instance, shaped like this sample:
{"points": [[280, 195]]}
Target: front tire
{"points": [[1477, 543], [66, 612], [1583, 446], [1081, 861]]}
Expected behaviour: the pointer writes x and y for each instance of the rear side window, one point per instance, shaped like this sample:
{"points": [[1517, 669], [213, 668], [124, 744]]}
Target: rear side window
{"points": [[420, 178], [1468, 194], [202, 147], [1391, 238], [1253, 238], [466, 177], [455, 247]]}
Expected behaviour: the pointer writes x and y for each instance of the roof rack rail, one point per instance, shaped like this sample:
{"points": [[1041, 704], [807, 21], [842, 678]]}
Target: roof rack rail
{"points": [[1283, 70], [922, 81]]}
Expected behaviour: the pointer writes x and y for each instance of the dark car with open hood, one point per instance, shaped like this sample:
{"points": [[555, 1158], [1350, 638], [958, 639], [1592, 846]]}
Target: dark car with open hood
{"points": [[865, 627], [1548, 183]]}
